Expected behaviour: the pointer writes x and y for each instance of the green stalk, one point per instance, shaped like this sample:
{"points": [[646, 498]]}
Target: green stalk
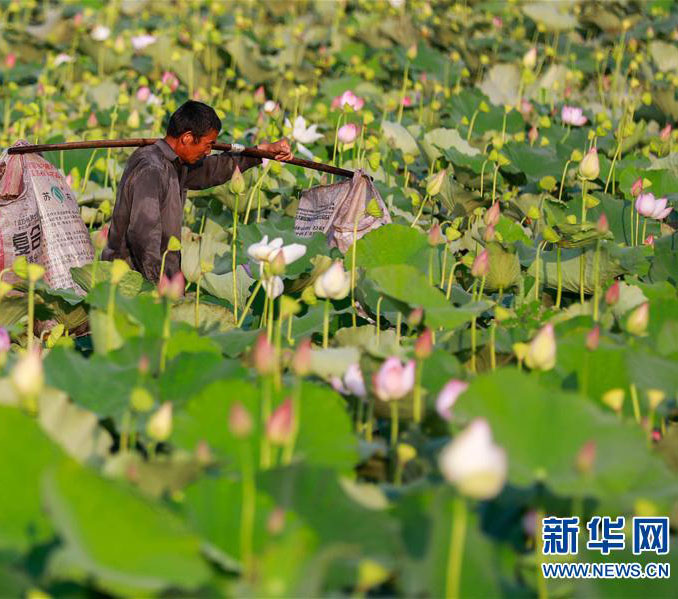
{"points": [[403, 91], [450, 279], [562, 180], [634, 401], [537, 276], [336, 139], [296, 422], [443, 268], [582, 264], [110, 313], [494, 182], [417, 411], [394, 424], [399, 323], [270, 319], [456, 553], [326, 323], [266, 400], [249, 494], [31, 312], [381, 297], [644, 228], [559, 267], [257, 287], [583, 200], [471, 124], [421, 210], [234, 250], [197, 301], [165, 335], [162, 263], [88, 169], [596, 281], [493, 351]]}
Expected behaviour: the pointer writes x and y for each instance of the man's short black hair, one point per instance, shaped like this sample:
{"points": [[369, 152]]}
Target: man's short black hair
{"points": [[196, 117]]}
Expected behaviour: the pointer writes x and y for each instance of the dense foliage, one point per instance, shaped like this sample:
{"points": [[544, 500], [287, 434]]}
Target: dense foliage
{"points": [[392, 422]]}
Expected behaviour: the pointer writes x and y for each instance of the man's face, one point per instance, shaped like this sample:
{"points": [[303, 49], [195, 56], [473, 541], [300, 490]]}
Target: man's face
{"points": [[192, 150]]}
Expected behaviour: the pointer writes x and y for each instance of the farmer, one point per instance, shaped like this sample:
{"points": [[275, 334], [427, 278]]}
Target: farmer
{"points": [[152, 192]]}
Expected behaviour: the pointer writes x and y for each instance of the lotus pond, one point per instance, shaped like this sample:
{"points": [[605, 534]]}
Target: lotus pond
{"points": [[395, 421]]}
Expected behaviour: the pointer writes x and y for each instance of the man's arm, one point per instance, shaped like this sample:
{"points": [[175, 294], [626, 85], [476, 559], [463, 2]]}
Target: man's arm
{"points": [[215, 170], [144, 233]]}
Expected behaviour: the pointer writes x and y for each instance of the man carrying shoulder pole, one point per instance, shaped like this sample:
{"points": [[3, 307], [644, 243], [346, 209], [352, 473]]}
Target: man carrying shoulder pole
{"points": [[152, 192]]}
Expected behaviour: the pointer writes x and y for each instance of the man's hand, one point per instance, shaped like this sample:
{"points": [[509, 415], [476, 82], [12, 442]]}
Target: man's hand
{"points": [[282, 149]]}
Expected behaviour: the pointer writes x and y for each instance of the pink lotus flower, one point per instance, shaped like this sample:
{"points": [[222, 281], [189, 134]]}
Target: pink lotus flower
{"points": [[491, 217], [394, 380], [574, 116], [593, 338], [649, 240], [497, 22], [347, 133], [649, 207], [448, 397], [352, 382], [260, 95], [279, 425], [665, 133], [170, 80], [144, 93], [612, 294], [526, 107], [423, 346], [350, 99], [92, 120], [407, 101]]}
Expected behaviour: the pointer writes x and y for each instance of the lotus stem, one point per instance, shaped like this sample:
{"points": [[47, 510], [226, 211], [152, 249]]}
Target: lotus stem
{"points": [[110, 314], [417, 407], [399, 322], [596, 281], [394, 424], [450, 279], [234, 250], [421, 210], [471, 124], [165, 335], [443, 268], [403, 91], [562, 181], [257, 287], [31, 312], [326, 323], [456, 552], [583, 200], [559, 268], [634, 401], [493, 351], [582, 265]]}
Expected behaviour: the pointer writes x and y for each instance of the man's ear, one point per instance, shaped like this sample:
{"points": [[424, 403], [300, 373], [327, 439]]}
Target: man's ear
{"points": [[187, 138]]}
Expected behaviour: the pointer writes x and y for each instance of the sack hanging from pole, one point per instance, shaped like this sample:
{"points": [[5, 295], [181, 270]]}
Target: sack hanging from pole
{"points": [[340, 209], [40, 219]]}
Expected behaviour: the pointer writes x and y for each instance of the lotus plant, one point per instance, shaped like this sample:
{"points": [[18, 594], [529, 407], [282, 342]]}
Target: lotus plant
{"points": [[333, 284], [393, 381]]}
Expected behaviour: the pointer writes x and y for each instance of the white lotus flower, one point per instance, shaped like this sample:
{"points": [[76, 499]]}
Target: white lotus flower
{"points": [[139, 42], [265, 251], [303, 133], [473, 463], [334, 283], [273, 287], [100, 33]]}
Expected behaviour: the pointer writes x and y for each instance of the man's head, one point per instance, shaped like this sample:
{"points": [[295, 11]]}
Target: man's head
{"points": [[192, 131]]}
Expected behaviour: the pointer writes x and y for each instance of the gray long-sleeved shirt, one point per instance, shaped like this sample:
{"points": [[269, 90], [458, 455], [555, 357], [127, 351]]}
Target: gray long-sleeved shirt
{"points": [[150, 204]]}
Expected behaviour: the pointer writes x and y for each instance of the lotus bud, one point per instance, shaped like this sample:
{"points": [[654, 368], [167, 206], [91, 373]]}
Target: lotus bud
{"points": [[424, 345], [334, 283], [92, 120], [586, 457], [638, 320], [602, 226], [301, 362], [593, 338], [141, 400], [373, 209], [203, 454], [159, 426], [279, 425], [34, 272], [239, 420], [612, 294], [5, 341], [237, 182], [119, 269], [637, 187], [173, 244], [614, 398], [435, 183], [589, 167], [473, 463], [435, 236], [172, 289], [541, 352], [259, 95], [489, 234], [264, 355], [276, 521], [481, 264], [133, 121], [448, 397], [649, 240], [415, 317], [491, 217], [530, 58], [27, 376], [533, 134], [412, 52], [655, 397]]}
